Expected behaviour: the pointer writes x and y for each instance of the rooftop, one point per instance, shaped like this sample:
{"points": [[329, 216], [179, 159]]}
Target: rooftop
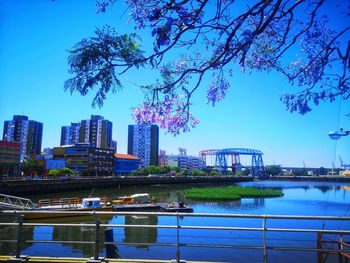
{"points": [[126, 156]]}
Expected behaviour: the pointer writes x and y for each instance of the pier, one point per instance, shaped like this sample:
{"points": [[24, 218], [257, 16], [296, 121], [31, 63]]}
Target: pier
{"points": [[163, 207], [15, 202]]}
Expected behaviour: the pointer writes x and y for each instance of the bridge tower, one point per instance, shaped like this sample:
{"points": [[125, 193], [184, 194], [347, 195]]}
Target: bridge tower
{"points": [[221, 163], [236, 163], [257, 165]]}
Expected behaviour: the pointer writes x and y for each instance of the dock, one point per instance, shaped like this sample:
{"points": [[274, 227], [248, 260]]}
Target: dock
{"points": [[162, 207], [175, 207], [15, 203], [136, 207]]}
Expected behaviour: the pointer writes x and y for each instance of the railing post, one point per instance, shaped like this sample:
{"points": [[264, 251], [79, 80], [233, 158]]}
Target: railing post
{"points": [[319, 248], [264, 238], [111, 250], [177, 238], [340, 248], [97, 238], [19, 236]]}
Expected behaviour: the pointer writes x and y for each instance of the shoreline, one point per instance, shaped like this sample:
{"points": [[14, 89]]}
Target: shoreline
{"points": [[324, 178], [44, 186]]}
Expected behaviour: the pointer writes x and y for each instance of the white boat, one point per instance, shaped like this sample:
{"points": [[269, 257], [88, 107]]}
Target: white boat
{"points": [[66, 204]]}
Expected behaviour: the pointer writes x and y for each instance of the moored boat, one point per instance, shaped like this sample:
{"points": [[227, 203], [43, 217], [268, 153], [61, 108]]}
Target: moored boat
{"points": [[132, 199], [66, 205], [345, 173]]}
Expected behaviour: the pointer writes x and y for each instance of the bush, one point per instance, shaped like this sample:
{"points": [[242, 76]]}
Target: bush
{"points": [[54, 172], [195, 172]]}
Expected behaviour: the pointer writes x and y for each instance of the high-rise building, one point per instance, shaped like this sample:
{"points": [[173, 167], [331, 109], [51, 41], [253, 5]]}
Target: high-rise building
{"points": [[143, 142], [114, 145], [70, 134], [26, 132], [97, 131]]}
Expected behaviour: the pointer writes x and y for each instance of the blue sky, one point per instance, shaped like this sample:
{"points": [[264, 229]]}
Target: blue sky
{"points": [[36, 34]]}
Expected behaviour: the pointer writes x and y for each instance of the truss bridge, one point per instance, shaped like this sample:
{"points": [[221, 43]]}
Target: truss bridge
{"points": [[230, 158]]}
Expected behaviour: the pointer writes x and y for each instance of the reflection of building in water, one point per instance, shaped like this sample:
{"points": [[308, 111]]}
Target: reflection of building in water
{"points": [[80, 234], [10, 233], [325, 189], [76, 234], [140, 234]]}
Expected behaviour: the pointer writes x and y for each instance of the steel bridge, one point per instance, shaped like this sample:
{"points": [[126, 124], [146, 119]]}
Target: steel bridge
{"points": [[223, 156]]}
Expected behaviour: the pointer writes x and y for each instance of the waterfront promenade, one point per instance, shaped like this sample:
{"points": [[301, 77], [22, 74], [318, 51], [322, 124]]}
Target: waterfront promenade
{"points": [[42, 186], [17, 187]]}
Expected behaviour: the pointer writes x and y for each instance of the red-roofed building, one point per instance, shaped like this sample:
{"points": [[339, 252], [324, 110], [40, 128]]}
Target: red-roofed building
{"points": [[125, 164]]}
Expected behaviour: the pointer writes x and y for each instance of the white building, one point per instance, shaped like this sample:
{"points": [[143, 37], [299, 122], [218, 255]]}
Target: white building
{"points": [[185, 162]]}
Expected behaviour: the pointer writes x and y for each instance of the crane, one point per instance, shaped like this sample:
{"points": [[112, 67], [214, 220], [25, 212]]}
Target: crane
{"points": [[343, 165]]}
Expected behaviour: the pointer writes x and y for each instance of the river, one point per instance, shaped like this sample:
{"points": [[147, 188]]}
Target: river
{"points": [[300, 198]]}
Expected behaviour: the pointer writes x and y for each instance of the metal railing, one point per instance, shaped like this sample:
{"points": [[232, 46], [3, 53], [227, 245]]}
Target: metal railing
{"points": [[342, 250], [15, 202]]}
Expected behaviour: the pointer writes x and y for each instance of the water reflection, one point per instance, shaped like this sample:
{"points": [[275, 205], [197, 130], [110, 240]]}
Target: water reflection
{"points": [[83, 233], [300, 198], [281, 185], [42, 233], [245, 204], [346, 188], [140, 234], [10, 233]]}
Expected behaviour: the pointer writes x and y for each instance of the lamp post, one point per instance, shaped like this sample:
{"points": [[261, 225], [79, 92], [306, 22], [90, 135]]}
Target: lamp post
{"points": [[336, 135]]}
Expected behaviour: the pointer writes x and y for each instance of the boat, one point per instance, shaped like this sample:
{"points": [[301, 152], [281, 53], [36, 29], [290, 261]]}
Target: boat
{"points": [[135, 202], [66, 205], [132, 199], [345, 173], [176, 207]]}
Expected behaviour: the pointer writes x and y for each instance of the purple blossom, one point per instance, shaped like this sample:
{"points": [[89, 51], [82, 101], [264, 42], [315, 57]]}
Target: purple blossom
{"points": [[217, 90], [169, 113]]}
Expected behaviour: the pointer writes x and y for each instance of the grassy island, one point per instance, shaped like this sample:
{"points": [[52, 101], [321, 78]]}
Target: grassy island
{"points": [[229, 193]]}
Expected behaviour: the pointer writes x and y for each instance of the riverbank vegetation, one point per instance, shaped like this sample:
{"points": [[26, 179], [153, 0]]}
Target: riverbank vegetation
{"points": [[229, 193], [177, 171]]}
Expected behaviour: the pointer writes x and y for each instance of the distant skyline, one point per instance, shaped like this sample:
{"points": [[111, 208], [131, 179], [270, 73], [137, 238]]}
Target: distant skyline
{"points": [[35, 37]]}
